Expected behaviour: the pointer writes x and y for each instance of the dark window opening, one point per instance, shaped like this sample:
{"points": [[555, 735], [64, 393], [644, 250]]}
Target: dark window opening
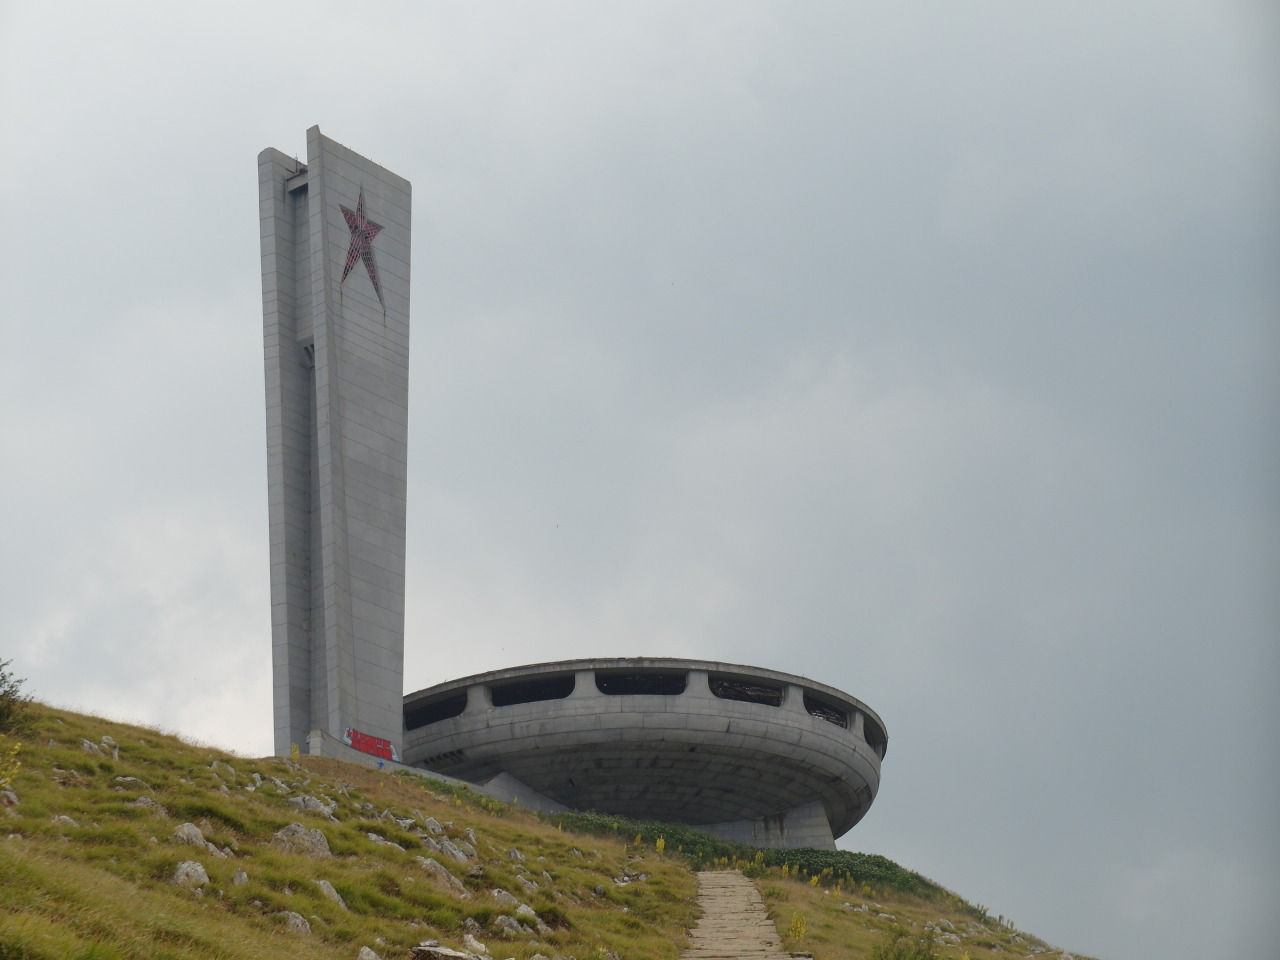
{"points": [[825, 710], [748, 691], [443, 759], [434, 711], [532, 691], [874, 735], [653, 684]]}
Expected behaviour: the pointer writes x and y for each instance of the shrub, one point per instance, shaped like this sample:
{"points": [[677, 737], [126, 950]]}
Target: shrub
{"points": [[901, 945], [13, 704]]}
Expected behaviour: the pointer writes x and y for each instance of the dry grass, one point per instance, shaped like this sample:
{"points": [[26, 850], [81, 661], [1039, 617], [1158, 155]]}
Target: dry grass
{"points": [[101, 888], [849, 923]]}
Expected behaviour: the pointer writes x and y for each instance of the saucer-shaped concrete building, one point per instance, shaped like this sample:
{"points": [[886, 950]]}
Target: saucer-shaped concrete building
{"points": [[744, 753]]}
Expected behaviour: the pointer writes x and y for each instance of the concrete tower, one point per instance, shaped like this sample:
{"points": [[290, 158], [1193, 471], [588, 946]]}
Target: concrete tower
{"points": [[335, 310]]}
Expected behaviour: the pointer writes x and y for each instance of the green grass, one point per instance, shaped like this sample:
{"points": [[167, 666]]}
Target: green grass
{"points": [[100, 889]]}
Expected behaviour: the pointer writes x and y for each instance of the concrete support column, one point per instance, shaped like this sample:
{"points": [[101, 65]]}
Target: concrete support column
{"points": [[478, 699], [698, 685], [793, 698], [584, 685]]}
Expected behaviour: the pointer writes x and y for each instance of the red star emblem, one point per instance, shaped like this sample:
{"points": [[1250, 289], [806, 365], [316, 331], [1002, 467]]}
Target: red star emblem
{"points": [[362, 233]]}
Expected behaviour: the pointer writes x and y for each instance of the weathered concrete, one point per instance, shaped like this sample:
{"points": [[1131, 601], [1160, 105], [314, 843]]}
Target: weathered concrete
{"points": [[664, 739], [335, 302], [734, 924]]}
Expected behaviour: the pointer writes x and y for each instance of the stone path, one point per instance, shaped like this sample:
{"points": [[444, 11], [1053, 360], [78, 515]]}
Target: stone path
{"points": [[734, 925]]}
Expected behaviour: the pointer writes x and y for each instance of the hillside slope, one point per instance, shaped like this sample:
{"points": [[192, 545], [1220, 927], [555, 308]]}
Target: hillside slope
{"points": [[106, 823]]}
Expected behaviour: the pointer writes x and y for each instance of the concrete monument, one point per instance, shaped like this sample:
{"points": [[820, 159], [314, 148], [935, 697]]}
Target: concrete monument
{"points": [[746, 753], [335, 301]]}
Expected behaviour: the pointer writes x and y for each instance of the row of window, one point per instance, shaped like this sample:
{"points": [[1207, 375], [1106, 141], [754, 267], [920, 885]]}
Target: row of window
{"points": [[617, 683]]}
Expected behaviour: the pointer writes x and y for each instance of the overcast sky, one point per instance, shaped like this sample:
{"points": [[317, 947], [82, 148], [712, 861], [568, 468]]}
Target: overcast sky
{"points": [[929, 350]]}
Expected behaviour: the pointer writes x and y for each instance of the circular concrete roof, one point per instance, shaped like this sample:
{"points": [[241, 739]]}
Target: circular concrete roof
{"points": [[690, 741]]}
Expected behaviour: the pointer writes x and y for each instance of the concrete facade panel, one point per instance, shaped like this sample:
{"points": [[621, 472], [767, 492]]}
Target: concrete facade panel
{"points": [[336, 377]]}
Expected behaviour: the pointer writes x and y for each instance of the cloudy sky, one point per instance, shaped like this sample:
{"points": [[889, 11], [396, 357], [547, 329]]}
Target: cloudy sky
{"points": [[929, 350]]}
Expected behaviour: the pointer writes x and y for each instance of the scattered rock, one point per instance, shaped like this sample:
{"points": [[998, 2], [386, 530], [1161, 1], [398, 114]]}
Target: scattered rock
{"points": [[598, 890], [367, 954], [190, 873], [295, 922], [109, 746], [510, 927], [515, 855], [64, 821], [311, 804], [505, 900], [432, 824], [430, 844], [439, 872], [88, 746], [8, 798], [526, 912], [189, 833], [327, 889], [383, 841], [68, 778], [472, 926], [471, 943], [431, 950], [530, 886], [149, 804], [295, 838], [404, 823], [448, 848], [468, 849], [471, 837], [240, 879]]}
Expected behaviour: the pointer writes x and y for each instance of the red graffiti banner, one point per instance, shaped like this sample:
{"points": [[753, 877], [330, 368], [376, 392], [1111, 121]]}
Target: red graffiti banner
{"points": [[370, 744]]}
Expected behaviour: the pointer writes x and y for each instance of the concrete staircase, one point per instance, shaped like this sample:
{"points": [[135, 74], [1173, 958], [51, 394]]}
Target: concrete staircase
{"points": [[734, 925]]}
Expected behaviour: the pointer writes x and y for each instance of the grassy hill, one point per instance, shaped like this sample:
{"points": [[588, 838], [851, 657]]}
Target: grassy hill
{"points": [[106, 814]]}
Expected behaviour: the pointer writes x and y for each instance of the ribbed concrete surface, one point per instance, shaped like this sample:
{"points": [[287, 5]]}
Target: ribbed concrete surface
{"points": [[734, 925]]}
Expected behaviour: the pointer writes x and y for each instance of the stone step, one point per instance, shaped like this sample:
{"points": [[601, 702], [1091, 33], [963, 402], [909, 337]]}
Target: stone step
{"points": [[734, 924]]}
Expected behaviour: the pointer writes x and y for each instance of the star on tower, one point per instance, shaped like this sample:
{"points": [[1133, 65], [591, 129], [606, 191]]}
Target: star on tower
{"points": [[362, 233]]}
